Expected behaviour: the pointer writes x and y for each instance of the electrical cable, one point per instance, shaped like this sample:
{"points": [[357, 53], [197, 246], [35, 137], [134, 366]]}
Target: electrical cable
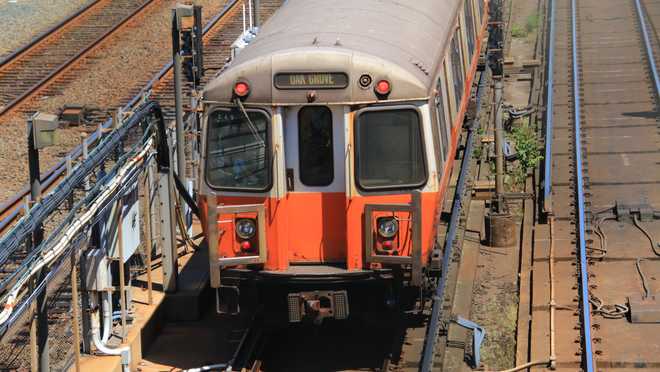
{"points": [[52, 249], [638, 264], [654, 243], [608, 311]]}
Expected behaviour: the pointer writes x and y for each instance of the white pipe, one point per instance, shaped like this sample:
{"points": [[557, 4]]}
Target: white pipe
{"points": [[527, 365], [77, 226], [104, 349], [250, 4], [107, 315], [124, 351], [243, 17]]}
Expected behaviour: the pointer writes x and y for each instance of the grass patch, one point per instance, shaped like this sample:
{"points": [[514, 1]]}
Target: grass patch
{"points": [[532, 23], [518, 31], [530, 26], [498, 313]]}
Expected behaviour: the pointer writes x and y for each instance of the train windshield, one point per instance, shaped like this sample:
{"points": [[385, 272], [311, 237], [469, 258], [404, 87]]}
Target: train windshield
{"points": [[238, 150], [390, 150]]}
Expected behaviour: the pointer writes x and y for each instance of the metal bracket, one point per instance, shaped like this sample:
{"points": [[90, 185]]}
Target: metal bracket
{"points": [[478, 335], [216, 263], [416, 255], [625, 211]]}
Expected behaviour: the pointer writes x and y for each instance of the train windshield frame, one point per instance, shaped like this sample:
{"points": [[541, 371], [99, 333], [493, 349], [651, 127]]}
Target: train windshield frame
{"points": [[238, 150], [382, 159]]}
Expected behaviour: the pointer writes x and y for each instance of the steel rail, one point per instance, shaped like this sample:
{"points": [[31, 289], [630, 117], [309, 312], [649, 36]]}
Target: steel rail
{"points": [[34, 89], [10, 208], [439, 295], [549, 113], [648, 47], [12, 57], [581, 214]]}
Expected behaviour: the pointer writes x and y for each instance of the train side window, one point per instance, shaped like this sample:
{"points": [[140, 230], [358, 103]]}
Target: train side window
{"points": [[238, 150], [481, 10], [469, 26], [315, 146], [442, 118], [457, 69], [390, 149]]}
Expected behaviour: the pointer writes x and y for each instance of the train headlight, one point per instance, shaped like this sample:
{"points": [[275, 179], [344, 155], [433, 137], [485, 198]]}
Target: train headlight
{"points": [[241, 89], [246, 228], [383, 88], [388, 227]]}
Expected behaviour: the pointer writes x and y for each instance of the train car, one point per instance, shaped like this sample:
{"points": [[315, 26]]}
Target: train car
{"points": [[327, 150]]}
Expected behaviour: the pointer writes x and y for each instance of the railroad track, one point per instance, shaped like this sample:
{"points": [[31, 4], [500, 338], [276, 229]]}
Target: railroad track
{"points": [[605, 150], [219, 33], [32, 70]]}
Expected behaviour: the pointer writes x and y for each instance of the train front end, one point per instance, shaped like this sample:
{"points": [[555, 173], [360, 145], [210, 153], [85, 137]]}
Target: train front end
{"points": [[320, 188], [326, 154]]}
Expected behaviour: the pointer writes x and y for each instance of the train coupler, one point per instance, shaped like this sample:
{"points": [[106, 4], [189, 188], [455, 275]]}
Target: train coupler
{"points": [[318, 305]]}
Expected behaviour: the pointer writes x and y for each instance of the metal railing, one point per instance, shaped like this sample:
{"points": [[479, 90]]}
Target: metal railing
{"points": [[549, 112], [433, 327], [77, 217], [12, 207]]}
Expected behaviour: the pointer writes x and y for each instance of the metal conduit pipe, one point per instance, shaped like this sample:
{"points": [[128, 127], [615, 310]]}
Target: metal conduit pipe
{"points": [[439, 295], [553, 304]]}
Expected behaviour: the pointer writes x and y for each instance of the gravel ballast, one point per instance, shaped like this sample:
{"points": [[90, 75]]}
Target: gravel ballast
{"points": [[107, 80], [23, 20]]}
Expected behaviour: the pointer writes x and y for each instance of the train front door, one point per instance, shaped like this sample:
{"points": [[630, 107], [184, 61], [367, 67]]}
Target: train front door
{"points": [[315, 178]]}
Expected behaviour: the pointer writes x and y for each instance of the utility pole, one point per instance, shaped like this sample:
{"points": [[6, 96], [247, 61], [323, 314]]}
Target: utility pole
{"points": [[499, 154], [40, 133], [255, 6], [188, 60], [178, 14]]}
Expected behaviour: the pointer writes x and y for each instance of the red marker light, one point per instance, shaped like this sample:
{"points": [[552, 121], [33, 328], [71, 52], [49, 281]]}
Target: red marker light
{"points": [[383, 87], [241, 89], [388, 244], [246, 246]]}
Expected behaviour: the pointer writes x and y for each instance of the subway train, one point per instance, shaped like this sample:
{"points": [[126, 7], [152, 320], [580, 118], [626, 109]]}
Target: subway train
{"points": [[328, 145]]}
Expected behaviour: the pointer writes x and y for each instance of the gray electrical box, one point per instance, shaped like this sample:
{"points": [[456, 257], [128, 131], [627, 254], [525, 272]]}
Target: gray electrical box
{"points": [[130, 228], [97, 271], [44, 129]]}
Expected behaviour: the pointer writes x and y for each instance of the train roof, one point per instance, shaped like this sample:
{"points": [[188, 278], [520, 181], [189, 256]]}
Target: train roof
{"points": [[401, 41]]}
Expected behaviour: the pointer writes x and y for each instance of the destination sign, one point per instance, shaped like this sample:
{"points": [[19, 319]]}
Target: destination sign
{"points": [[311, 80]]}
